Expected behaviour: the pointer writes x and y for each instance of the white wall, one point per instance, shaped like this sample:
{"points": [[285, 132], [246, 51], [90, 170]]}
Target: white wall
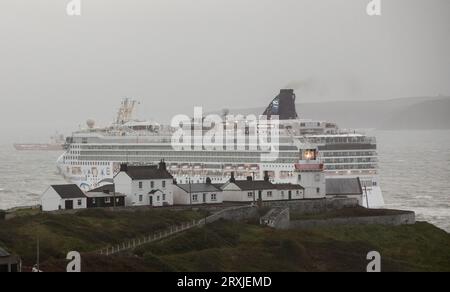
{"points": [[232, 193], [312, 181], [50, 200], [125, 185], [296, 194], [122, 184], [181, 197]]}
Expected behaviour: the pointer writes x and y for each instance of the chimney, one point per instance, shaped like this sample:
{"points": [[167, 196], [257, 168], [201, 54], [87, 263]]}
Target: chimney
{"points": [[124, 167], [266, 176], [232, 179], [208, 181], [162, 165]]}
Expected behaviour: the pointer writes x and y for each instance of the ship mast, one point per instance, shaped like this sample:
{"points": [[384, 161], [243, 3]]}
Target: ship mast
{"points": [[126, 110]]}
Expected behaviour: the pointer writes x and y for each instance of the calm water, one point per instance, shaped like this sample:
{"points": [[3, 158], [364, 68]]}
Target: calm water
{"points": [[414, 168]]}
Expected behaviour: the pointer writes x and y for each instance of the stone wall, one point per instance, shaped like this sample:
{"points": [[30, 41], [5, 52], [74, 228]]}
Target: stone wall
{"points": [[240, 213], [406, 218], [305, 207]]}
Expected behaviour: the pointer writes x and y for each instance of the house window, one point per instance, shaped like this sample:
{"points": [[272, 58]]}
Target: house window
{"points": [[250, 194], [317, 177], [298, 192], [164, 184], [157, 198], [107, 200], [117, 200], [213, 197], [318, 190], [152, 184], [140, 185], [299, 177], [79, 202], [269, 194], [93, 201], [194, 198], [140, 198], [164, 197], [282, 193]]}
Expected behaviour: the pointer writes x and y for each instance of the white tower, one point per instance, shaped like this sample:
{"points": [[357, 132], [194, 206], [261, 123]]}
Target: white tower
{"points": [[310, 174]]}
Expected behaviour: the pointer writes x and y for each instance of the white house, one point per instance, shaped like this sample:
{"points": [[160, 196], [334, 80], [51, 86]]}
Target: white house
{"points": [[197, 194], [145, 185], [290, 191], [63, 197], [249, 190]]}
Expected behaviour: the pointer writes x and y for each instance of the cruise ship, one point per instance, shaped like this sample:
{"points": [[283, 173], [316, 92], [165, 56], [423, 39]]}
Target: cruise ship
{"points": [[94, 155]]}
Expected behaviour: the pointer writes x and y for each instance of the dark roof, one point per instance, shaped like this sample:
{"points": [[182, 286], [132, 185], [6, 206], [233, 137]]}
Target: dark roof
{"points": [[249, 185], [69, 191], [343, 186], [106, 188], [103, 195], [147, 172], [288, 187], [219, 186], [3, 253], [199, 188]]}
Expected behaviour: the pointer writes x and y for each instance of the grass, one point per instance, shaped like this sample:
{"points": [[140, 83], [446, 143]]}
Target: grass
{"points": [[238, 247], [227, 246], [223, 246], [84, 231]]}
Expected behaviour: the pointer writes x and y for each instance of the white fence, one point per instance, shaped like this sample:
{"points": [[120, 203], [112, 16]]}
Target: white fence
{"points": [[232, 213], [132, 244]]}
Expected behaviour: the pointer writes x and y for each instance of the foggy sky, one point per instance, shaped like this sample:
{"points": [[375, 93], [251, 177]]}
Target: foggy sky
{"points": [[58, 71]]}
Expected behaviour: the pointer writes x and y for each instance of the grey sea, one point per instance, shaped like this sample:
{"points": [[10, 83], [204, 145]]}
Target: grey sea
{"points": [[414, 172]]}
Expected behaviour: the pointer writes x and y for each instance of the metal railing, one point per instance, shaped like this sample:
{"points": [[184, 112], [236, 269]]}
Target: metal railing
{"points": [[134, 243]]}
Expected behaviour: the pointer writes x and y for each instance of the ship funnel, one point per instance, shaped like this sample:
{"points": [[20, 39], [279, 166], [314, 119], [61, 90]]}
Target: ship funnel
{"points": [[283, 106]]}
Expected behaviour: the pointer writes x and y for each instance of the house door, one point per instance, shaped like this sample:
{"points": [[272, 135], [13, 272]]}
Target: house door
{"points": [[290, 195], [69, 205], [151, 200], [204, 198]]}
